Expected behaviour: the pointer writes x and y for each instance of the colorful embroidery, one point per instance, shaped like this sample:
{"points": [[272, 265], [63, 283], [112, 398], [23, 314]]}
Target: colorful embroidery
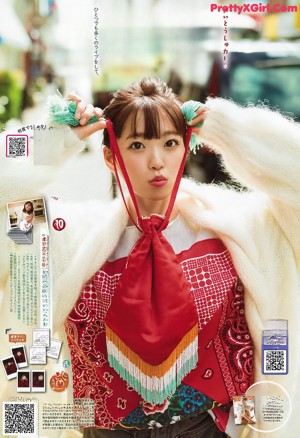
{"points": [[185, 402]]}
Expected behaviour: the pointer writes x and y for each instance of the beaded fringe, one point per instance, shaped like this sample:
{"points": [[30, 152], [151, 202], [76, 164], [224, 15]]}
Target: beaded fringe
{"points": [[154, 383]]}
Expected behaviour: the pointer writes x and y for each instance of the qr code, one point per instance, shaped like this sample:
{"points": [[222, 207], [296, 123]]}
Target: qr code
{"points": [[19, 418], [275, 362], [16, 146]]}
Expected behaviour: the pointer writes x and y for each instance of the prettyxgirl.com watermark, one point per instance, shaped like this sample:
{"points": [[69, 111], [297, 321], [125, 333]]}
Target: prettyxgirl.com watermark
{"points": [[253, 7]]}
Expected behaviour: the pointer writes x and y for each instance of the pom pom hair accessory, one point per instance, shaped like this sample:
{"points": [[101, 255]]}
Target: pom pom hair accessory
{"points": [[189, 110], [62, 111]]}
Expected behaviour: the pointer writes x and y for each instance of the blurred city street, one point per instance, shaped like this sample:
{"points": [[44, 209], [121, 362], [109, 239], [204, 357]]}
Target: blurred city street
{"points": [[252, 56]]}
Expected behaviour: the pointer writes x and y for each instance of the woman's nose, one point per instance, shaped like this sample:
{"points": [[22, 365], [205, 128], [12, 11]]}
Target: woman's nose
{"points": [[156, 160]]}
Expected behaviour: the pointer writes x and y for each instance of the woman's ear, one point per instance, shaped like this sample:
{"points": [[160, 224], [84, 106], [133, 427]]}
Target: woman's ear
{"points": [[108, 158]]}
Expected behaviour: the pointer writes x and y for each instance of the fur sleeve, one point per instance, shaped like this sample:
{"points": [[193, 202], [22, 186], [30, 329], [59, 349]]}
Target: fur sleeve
{"points": [[260, 147]]}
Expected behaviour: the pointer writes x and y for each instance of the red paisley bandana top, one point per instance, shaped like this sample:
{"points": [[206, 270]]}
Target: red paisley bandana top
{"points": [[225, 349]]}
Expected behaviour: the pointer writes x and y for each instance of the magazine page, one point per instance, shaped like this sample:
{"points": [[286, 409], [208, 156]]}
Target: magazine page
{"points": [[150, 207]]}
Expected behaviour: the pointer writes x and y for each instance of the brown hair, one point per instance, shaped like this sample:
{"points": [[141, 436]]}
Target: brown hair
{"points": [[148, 97], [31, 207]]}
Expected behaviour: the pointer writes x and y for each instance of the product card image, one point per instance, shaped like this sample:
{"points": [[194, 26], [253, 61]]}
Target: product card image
{"points": [[243, 408], [275, 347], [41, 337], [38, 381], [19, 354], [23, 381], [10, 367], [54, 349], [23, 216], [38, 355]]}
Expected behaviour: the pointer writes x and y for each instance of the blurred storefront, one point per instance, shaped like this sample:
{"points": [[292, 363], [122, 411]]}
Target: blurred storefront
{"points": [[160, 37], [23, 56], [284, 24], [14, 41]]}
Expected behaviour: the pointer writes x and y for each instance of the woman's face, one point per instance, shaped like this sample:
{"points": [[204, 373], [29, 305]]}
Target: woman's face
{"points": [[27, 206], [152, 165]]}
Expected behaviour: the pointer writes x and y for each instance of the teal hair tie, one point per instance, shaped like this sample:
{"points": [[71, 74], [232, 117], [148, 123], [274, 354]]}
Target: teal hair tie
{"points": [[189, 110], [63, 111]]}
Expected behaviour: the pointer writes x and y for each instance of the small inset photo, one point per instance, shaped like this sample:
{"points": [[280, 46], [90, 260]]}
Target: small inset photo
{"points": [[243, 408], [10, 367], [23, 215], [38, 379], [19, 354], [23, 381]]}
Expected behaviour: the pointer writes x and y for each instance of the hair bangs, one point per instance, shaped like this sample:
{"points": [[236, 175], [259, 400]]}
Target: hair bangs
{"points": [[143, 104], [151, 112]]}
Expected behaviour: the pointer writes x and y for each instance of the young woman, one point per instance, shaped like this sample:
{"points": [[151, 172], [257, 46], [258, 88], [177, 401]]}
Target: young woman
{"points": [[124, 333], [25, 218], [166, 360]]}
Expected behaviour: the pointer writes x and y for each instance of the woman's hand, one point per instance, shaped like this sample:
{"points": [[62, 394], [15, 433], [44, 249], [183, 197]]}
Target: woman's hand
{"points": [[83, 113], [200, 117]]}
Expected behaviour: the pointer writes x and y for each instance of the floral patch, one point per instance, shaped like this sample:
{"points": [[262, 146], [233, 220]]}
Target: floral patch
{"points": [[185, 402]]}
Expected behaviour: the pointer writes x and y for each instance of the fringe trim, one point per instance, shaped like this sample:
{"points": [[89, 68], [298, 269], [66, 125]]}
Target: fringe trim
{"points": [[154, 389], [135, 372], [146, 368]]}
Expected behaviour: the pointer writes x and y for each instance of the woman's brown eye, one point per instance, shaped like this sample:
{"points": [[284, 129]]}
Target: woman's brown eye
{"points": [[171, 143], [137, 145]]}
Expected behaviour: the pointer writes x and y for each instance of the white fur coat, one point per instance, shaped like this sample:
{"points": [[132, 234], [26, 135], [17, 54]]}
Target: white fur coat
{"points": [[260, 228]]}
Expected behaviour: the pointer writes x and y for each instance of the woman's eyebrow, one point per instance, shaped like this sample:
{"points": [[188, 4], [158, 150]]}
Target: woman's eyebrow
{"points": [[167, 133], [142, 134], [136, 135]]}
